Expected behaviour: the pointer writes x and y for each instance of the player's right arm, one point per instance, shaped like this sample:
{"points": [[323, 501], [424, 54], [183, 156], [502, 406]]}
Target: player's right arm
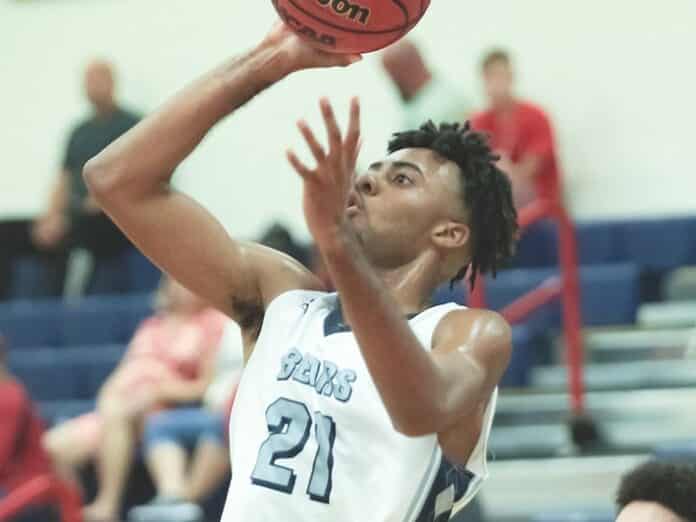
{"points": [[131, 179]]}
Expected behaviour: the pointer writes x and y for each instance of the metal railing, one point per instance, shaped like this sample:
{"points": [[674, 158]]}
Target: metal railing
{"points": [[565, 286]]}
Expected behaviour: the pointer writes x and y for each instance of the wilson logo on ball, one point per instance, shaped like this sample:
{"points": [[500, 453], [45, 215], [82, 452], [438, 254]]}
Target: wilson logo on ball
{"points": [[305, 30], [354, 12]]}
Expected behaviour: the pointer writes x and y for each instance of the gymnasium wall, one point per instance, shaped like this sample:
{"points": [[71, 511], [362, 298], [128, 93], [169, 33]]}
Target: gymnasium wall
{"points": [[616, 76]]}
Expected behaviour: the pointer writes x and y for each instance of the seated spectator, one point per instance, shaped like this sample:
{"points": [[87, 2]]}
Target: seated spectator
{"points": [[170, 435], [21, 455], [169, 362], [658, 492]]}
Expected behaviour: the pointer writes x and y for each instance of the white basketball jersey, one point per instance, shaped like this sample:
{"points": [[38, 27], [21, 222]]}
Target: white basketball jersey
{"points": [[311, 440]]}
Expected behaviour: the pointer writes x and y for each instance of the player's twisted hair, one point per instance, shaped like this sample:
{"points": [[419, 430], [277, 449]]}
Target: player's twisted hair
{"points": [[670, 485], [487, 194]]}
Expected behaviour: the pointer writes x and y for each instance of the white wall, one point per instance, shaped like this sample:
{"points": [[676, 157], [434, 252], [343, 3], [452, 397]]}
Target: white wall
{"points": [[617, 76]]}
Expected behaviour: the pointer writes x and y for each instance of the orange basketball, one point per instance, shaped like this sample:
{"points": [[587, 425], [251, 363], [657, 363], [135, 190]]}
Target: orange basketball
{"points": [[351, 26]]}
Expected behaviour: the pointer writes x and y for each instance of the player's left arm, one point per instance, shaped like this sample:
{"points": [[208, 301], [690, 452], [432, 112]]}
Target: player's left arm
{"points": [[423, 392]]}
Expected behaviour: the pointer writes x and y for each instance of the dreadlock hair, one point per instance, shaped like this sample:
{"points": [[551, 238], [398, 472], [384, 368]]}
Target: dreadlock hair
{"points": [[486, 191], [668, 484]]}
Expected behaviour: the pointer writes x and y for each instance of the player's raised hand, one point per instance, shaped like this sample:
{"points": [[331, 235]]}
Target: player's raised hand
{"points": [[300, 55], [326, 187]]}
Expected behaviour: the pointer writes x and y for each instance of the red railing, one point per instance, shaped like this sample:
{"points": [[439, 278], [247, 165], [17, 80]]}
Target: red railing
{"points": [[44, 489], [566, 287]]}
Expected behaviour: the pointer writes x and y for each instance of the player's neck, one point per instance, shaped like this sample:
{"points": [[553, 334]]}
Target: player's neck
{"points": [[412, 285]]}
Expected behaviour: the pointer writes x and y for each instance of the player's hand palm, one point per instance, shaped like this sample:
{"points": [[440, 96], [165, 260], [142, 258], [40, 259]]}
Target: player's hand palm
{"points": [[327, 186], [301, 54]]}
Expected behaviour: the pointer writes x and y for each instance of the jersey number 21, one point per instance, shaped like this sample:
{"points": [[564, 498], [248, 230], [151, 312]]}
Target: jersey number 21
{"points": [[289, 425]]}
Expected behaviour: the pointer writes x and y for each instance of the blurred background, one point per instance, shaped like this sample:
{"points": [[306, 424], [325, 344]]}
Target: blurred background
{"points": [[612, 96]]}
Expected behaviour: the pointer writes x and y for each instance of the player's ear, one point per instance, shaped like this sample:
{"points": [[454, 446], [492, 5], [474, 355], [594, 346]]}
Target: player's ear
{"points": [[451, 234]]}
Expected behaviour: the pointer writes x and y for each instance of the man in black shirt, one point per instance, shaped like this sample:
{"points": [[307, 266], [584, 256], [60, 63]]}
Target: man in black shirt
{"points": [[72, 219]]}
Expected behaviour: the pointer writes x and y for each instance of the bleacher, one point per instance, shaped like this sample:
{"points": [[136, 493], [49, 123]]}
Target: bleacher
{"points": [[638, 380]]}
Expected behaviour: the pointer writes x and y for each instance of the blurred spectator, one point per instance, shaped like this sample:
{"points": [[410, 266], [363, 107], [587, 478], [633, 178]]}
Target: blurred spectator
{"points": [[658, 492], [520, 131], [170, 435], [21, 455], [170, 361], [72, 218], [426, 95]]}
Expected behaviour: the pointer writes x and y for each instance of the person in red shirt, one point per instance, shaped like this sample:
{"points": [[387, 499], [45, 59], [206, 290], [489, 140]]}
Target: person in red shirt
{"points": [[520, 132], [21, 454]]}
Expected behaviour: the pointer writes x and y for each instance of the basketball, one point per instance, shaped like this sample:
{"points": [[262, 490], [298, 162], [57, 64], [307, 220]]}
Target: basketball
{"points": [[351, 26]]}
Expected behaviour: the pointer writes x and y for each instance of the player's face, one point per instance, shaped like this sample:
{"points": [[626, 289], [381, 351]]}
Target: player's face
{"points": [[403, 204], [647, 512], [498, 81]]}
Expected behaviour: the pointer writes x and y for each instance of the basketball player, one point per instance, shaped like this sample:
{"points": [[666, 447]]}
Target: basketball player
{"points": [[364, 405]]}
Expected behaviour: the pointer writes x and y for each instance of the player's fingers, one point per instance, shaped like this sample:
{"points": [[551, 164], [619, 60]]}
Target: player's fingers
{"points": [[332, 130], [312, 142], [354, 157], [353, 133], [304, 172]]}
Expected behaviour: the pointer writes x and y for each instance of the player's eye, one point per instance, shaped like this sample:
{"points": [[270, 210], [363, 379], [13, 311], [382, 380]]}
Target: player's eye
{"points": [[402, 179]]}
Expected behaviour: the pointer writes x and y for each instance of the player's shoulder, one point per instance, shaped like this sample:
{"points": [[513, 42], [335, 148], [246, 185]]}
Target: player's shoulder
{"points": [[465, 325], [301, 299]]}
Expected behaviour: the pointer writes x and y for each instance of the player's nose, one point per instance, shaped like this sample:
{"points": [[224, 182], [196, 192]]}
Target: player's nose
{"points": [[366, 185]]}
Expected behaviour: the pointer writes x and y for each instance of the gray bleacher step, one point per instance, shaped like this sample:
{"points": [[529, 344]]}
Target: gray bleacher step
{"points": [[632, 338], [621, 376], [668, 315], [530, 408], [530, 442], [519, 489], [618, 344], [623, 435]]}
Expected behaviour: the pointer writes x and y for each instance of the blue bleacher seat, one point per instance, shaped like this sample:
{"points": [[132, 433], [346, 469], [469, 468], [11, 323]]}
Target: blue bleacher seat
{"points": [[600, 242], [610, 294], [660, 244], [102, 361], [28, 278], [524, 357], [65, 374], [538, 246], [92, 320], [27, 323], [54, 412], [45, 373], [143, 276]]}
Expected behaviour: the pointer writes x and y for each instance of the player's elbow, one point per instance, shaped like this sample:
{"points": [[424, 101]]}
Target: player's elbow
{"points": [[101, 178], [413, 429], [418, 423]]}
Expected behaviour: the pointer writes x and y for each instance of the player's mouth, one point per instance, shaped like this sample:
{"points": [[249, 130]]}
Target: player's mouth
{"points": [[354, 205]]}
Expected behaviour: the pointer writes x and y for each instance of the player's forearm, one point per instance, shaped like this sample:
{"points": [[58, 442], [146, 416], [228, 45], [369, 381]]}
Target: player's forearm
{"points": [[145, 158], [410, 384]]}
